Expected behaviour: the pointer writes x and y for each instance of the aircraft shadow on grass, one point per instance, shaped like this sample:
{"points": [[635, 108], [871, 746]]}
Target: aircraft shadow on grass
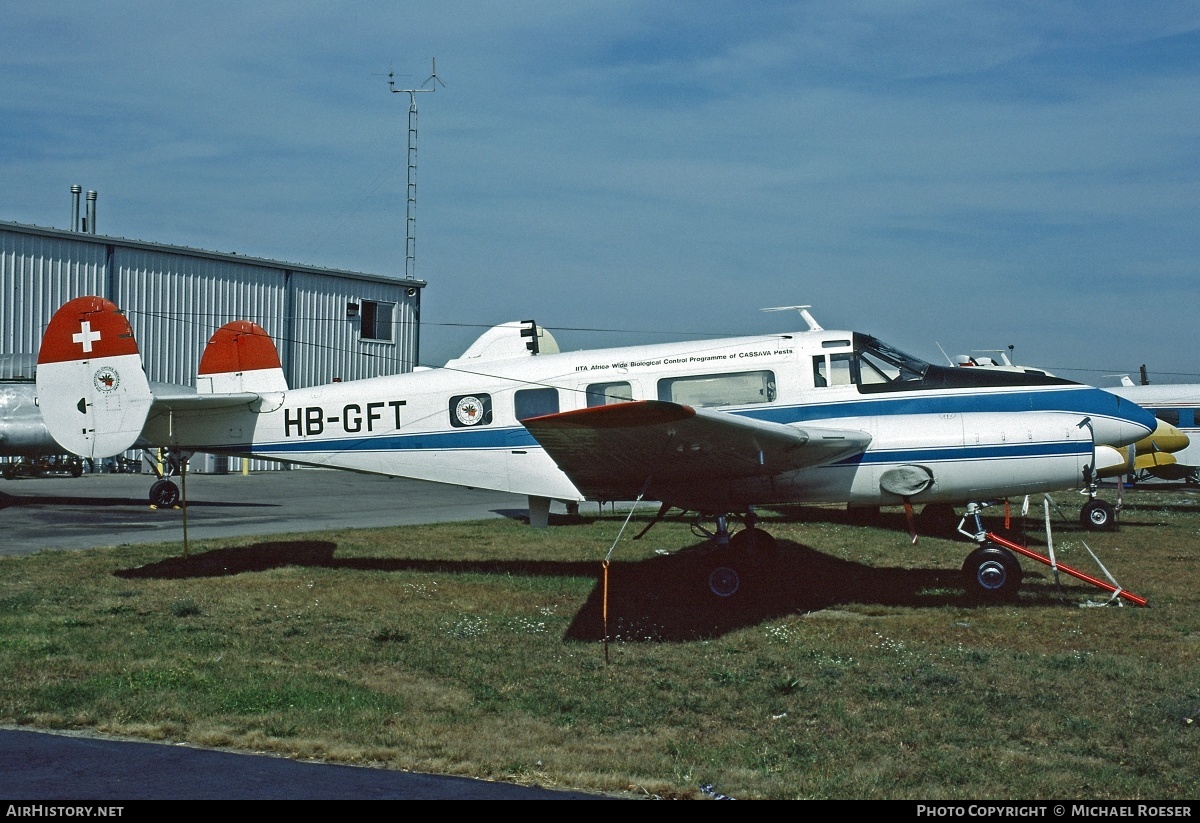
{"points": [[659, 599]]}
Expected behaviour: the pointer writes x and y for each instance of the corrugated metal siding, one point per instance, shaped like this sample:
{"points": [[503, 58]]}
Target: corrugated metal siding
{"points": [[175, 303], [37, 275], [176, 298], [328, 343]]}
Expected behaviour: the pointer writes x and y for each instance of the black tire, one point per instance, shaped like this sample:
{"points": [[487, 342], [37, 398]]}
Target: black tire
{"points": [[755, 544], [76, 468], [939, 520], [725, 578], [992, 574], [10, 470], [1098, 516], [164, 494]]}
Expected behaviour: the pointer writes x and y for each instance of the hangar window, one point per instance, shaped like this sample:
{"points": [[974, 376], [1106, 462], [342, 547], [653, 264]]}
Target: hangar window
{"points": [[529, 403], [376, 320], [738, 389], [604, 394]]}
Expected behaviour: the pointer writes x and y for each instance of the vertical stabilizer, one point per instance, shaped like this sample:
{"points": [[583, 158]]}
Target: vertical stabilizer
{"points": [[92, 390], [240, 357]]}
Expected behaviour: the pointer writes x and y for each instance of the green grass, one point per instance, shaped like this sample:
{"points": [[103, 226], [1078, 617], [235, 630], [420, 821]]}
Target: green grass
{"points": [[857, 668]]}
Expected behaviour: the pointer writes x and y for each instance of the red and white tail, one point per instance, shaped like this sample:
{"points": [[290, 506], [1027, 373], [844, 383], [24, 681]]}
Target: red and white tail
{"points": [[92, 390], [240, 357]]}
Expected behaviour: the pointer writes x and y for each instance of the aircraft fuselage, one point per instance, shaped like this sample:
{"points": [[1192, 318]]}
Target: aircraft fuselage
{"points": [[461, 424]]}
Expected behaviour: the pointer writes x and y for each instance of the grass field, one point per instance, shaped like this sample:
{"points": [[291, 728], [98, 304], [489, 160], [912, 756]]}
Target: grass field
{"points": [[854, 667]]}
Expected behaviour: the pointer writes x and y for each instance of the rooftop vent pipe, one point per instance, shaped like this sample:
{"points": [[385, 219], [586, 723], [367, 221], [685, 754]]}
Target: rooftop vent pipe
{"points": [[91, 212], [75, 190]]}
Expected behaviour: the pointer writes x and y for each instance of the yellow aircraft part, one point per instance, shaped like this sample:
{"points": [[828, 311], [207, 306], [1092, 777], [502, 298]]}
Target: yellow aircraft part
{"points": [[1152, 453], [1152, 460], [1165, 438]]}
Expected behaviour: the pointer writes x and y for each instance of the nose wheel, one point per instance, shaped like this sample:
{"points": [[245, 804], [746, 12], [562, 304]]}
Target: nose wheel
{"points": [[992, 574], [1098, 515]]}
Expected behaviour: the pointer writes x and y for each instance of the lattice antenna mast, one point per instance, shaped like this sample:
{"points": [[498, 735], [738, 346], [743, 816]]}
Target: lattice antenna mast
{"points": [[410, 226]]}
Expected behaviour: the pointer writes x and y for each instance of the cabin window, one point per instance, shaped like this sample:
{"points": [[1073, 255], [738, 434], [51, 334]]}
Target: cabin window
{"points": [[529, 403], [470, 410], [833, 370], [375, 320], [604, 394], [738, 389]]}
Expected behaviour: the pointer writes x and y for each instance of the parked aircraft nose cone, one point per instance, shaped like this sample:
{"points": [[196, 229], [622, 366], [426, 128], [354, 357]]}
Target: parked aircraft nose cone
{"points": [[1164, 439]]}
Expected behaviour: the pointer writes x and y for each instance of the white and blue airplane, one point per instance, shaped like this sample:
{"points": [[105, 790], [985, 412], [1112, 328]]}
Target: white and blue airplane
{"points": [[1176, 406], [718, 427]]}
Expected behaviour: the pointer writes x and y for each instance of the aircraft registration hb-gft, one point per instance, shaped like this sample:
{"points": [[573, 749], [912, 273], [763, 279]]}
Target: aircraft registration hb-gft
{"points": [[717, 427]]}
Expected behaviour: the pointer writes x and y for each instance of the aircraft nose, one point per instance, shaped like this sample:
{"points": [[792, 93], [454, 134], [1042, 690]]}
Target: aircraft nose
{"points": [[1164, 439]]}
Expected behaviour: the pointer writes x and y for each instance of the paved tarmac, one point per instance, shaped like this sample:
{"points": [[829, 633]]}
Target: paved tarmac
{"points": [[62, 512], [41, 767], [65, 513]]}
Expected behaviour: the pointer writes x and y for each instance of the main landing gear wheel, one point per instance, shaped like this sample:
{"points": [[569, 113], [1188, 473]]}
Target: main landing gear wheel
{"points": [[754, 543], [726, 577], [1098, 516], [992, 574], [938, 520], [164, 494]]}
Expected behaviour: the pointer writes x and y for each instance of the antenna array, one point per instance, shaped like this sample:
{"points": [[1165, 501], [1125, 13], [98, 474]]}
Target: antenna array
{"points": [[410, 224]]}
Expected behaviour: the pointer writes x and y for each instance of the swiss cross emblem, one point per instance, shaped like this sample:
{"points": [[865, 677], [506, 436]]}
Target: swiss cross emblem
{"points": [[85, 336]]}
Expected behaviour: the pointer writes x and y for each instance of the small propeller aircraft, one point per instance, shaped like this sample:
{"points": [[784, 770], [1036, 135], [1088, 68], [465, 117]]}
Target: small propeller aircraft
{"points": [[22, 433], [1177, 406], [717, 427]]}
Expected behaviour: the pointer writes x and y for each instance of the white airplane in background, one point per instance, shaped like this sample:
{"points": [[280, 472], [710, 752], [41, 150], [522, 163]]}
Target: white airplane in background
{"points": [[1177, 406], [717, 427], [22, 433]]}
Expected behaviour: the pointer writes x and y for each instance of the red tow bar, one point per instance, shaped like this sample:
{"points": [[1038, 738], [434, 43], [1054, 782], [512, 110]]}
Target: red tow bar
{"points": [[1087, 578]]}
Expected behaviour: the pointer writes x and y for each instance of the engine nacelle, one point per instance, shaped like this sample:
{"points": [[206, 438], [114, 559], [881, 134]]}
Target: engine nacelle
{"points": [[995, 456]]}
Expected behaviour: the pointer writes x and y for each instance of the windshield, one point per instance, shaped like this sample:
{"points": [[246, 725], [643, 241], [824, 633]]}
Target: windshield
{"points": [[880, 363], [878, 367]]}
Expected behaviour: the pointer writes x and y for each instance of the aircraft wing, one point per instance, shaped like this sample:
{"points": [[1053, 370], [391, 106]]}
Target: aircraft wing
{"points": [[610, 452]]}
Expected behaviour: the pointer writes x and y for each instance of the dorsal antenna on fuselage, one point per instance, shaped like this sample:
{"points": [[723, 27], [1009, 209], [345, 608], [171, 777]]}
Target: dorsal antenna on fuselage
{"points": [[813, 325]]}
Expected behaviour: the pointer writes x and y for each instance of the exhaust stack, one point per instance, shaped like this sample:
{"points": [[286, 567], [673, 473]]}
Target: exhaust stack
{"points": [[75, 191], [91, 212]]}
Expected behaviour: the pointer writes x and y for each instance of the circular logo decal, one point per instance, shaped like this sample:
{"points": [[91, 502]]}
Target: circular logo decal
{"points": [[469, 411], [107, 379]]}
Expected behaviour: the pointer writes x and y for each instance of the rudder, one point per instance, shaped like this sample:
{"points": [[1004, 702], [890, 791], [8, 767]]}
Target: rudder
{"points": [[92, 389], [240, 357]]}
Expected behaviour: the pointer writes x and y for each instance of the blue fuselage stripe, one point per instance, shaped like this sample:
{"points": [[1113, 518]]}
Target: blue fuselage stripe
{"points": [[1081, 400]]}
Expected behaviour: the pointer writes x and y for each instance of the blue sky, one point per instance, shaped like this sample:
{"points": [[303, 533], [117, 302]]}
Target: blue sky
{"points": [[969, 175]]}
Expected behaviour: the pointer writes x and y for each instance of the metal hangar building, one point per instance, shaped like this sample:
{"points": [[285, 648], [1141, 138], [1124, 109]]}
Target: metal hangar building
{"points": [[328, 324]]}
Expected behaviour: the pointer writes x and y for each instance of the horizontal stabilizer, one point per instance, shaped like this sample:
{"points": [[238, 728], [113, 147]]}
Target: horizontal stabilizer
{"points": [[240, 357], [92, 391]]}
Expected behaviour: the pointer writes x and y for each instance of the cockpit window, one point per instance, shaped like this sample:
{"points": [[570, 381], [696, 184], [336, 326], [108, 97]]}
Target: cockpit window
{"points": [[878, 367], [881, 363]]}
